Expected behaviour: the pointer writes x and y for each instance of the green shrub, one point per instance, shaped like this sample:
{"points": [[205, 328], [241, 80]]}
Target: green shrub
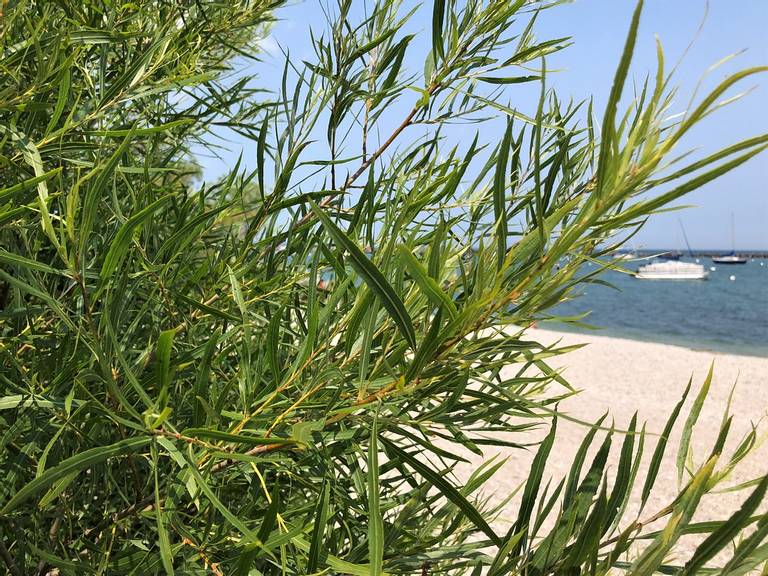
{"points": [[277, 374]]}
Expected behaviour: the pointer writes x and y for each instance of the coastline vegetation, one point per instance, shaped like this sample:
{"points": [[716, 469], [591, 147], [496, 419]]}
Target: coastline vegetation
{"points": [[177, 395]]}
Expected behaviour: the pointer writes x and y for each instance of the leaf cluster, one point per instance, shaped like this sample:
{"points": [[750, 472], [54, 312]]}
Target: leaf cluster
{"points": [[278, 373]]}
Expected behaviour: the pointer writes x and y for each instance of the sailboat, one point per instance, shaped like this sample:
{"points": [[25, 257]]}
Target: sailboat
{"points": [[673, 268], [732, 257]]}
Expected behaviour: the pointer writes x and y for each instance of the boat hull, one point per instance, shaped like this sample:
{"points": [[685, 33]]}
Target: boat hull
{"points": [[671, 270], [652, 276], [729, 260]]}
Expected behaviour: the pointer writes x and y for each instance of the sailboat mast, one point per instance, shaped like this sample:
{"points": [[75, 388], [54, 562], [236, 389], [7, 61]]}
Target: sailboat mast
{"points": [[685, 237], [733, 235]]}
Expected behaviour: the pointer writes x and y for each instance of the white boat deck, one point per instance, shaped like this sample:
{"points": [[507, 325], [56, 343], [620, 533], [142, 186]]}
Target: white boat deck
{"points": [[671, 270]]}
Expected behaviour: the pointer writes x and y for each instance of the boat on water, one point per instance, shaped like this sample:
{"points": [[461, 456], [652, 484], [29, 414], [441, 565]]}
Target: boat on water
{"points": [[671, 270], [670, 267], [731, 257]]}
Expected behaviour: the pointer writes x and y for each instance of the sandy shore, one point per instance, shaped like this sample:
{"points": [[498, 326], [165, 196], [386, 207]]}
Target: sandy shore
{"points": [[622, 376]]}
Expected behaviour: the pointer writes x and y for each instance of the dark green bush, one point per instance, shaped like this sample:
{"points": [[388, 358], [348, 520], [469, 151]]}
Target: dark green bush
{"points": [[275, 373]]}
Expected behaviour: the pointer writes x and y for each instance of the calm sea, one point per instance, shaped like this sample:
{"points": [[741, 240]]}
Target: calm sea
{"points": [[715, 314]]}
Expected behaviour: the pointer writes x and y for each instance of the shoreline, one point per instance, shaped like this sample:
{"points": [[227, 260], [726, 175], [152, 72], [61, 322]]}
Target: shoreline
{"points": [[709, 347], [622, 376]]}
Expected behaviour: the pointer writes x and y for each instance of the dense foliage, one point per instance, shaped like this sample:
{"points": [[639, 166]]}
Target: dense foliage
{"points": [[275, 373]]}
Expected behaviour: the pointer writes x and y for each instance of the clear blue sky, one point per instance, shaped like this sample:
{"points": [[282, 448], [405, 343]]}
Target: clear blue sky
{"points": [[598, 29]]}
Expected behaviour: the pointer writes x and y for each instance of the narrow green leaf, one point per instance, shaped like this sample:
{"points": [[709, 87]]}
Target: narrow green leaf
{"points": [[578, 462], [10, 191], [67, 567], [445, 487], [301, 432], [438, 19], [428, 347], [261, 152], [533, 483], [117, 350], [727, 532], [428, 286], [164, 543], [245, 561], [184, 234], [375, 520], [745, 144], [164, 351], [65, 82], [622, 484], [609, 118], [136, 131], [744, 557], [56, 490], [498, 567], [132, 75], [369, 327], [537, 51], [693, 417], [241, 438], [208, 491], [119, 246], [96, 189], [270, 517], [695, 183], [686, 504], [273, 345], [28, 400], [316, 546], [589, 534], [435, 263], [44, 296], [703, 108], [661, 445], [336, 563], [499, 196], [32, 157], [77, 463], [369, 46], [209, 309], [22, 262], [508, 79], [281, 185], [202, 384], [373, 278]]}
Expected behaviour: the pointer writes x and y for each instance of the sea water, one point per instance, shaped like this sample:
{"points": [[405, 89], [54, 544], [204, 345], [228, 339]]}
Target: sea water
{"points": [[714, 314]]}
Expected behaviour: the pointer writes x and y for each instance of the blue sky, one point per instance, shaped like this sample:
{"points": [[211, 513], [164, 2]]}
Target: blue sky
{"points": [[598, 29]]}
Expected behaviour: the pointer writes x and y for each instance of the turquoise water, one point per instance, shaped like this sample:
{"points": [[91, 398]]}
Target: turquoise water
{"points": [[715, 314]]}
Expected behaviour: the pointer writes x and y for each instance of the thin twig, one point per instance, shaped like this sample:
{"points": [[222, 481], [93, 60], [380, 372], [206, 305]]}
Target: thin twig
{"points": [[371, 159], [8, 559], [42, 566], [383, 148], [261, 449]]}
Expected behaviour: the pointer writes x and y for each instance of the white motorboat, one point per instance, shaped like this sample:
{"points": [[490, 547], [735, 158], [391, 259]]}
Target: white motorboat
{"points": [[671, 270]]}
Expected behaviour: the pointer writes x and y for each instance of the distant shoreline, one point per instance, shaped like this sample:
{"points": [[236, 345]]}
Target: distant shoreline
{"points": [[639, 336], [702, 253], [728, 313]]}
